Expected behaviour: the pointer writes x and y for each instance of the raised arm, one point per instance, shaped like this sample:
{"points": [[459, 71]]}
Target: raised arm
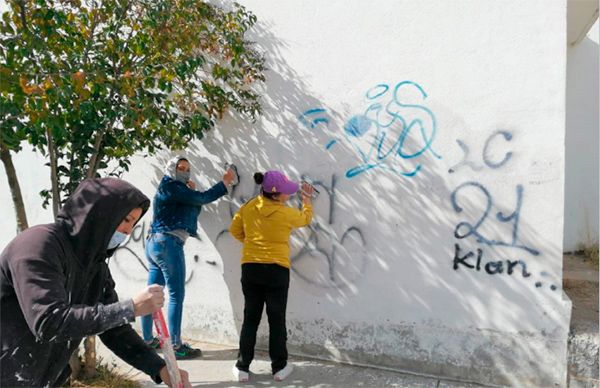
{"points": [[176, 191], [302, 217]]}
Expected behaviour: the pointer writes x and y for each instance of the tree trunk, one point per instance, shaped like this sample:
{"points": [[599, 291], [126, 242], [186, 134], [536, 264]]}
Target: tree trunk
{"points": [[53, 174], [94, 159], [15, 189], [90, 356], [90, 342], [75, 365]]}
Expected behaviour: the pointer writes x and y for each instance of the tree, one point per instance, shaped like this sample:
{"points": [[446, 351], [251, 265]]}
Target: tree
{"points": [[15, 188], [11, 136], [91, 83], [101, 81]]}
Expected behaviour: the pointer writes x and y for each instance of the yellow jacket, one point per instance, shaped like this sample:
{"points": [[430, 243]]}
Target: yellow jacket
{"points": [[264, 226]]}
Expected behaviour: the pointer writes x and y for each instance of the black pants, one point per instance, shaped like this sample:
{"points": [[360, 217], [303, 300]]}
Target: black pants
{"points": [[264, 284]]}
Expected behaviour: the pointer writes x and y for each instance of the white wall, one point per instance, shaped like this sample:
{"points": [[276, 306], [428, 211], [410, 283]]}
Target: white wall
{"points": [[33, 177], [581, 143], [481, 87]]}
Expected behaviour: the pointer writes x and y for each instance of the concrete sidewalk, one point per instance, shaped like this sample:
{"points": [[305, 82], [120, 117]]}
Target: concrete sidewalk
{"points": [[580, 281], [214, 370]]}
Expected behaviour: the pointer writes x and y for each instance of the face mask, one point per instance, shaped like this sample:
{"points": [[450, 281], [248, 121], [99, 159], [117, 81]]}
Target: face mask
{"points": [[182, 176], [117, 239]]}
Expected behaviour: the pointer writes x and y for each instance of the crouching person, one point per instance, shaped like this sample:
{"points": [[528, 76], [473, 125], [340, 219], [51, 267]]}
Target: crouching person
{"points": [[56, 289]]}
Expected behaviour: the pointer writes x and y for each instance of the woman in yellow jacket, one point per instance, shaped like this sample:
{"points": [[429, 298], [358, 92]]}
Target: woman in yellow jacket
{"points": [[264, 225]]}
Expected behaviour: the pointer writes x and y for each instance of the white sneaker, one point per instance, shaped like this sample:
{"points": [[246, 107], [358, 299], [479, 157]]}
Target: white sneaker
{"points": [[284, 373], [240, 375]]}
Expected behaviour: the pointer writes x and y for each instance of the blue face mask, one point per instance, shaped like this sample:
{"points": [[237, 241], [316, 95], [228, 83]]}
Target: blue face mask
{"points": [[117, 239]]}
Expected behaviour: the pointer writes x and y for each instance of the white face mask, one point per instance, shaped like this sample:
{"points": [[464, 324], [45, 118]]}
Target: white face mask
{"points": [[117, 239], [182, 176]]}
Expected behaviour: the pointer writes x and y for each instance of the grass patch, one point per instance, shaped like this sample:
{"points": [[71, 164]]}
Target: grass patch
{"points": [[589, 252], [107, 376]]}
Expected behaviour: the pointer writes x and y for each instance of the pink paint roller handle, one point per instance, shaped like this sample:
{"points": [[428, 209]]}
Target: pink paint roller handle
{"points": [[167, 348]]}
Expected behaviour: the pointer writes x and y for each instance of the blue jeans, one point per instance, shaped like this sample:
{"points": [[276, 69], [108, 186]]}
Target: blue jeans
{"points": [[166, 265]]}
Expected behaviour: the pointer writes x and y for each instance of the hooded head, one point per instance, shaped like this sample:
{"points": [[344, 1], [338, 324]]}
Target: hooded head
{"points": [[93, 212], [171, 169]]}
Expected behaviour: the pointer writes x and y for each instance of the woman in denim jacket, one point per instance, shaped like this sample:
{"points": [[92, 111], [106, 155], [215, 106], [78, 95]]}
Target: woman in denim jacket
{"points": [[176, 208]]}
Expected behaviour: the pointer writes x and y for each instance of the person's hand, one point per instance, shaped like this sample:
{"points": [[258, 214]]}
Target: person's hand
{"points": [[191, 184], [307, 192], [228, 177], [185, 379], [148, 301]]}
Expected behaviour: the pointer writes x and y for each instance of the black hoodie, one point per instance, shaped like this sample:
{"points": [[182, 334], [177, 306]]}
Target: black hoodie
{"points": [[56, 289]]}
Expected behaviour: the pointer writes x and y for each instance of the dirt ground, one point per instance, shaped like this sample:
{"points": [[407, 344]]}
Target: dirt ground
{"points": [[584, 295], [580, 282]]}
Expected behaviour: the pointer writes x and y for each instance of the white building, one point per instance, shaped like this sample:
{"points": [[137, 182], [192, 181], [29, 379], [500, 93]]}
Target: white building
{"points": [[581, 170], [435, 132]]}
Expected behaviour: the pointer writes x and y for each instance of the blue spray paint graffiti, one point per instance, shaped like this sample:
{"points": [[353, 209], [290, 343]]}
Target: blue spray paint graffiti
{"points": [[313, 117], [389, 133]]}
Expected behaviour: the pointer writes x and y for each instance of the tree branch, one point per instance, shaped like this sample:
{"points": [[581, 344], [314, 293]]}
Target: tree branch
{"points": [[53, 173], [92, 166], [15, 189], [91, 39], [22, 14]]}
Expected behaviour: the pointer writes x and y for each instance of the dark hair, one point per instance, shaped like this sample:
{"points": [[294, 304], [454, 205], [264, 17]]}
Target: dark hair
{"points": [[259, 177], [180, 160]]}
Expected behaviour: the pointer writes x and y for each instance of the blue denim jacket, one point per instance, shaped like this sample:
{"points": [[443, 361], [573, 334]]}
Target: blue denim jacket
{"points": [[177, 207]]}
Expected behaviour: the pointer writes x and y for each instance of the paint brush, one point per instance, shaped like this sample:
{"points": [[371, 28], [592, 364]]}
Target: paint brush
{"points": [[167, 348]]}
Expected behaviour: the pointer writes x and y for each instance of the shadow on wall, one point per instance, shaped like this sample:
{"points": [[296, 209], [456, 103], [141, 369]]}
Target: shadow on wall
{"points": [[581, 146], [410, 252]]}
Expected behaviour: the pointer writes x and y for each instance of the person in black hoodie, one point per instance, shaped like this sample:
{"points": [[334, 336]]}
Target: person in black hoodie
{"points": [[56, 289]]}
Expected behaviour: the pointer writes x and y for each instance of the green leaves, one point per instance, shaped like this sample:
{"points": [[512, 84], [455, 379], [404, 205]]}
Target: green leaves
{"points": [[112, 78]]}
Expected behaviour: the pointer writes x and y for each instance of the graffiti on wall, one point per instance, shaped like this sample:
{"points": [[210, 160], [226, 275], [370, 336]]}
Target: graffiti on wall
{"points": [[472, 229], [392, 133], [343, 258], [129, 259], [466, 229], [488, 159], [320, 256]]}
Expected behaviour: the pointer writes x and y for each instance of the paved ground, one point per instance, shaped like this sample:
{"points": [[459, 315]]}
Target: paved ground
{"points": [[580, 282], [214, 370]]}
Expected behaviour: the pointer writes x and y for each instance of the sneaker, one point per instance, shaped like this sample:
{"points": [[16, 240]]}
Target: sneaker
{"points": [[284, 373], [154, 343], [240, 375], [186, 352]]}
